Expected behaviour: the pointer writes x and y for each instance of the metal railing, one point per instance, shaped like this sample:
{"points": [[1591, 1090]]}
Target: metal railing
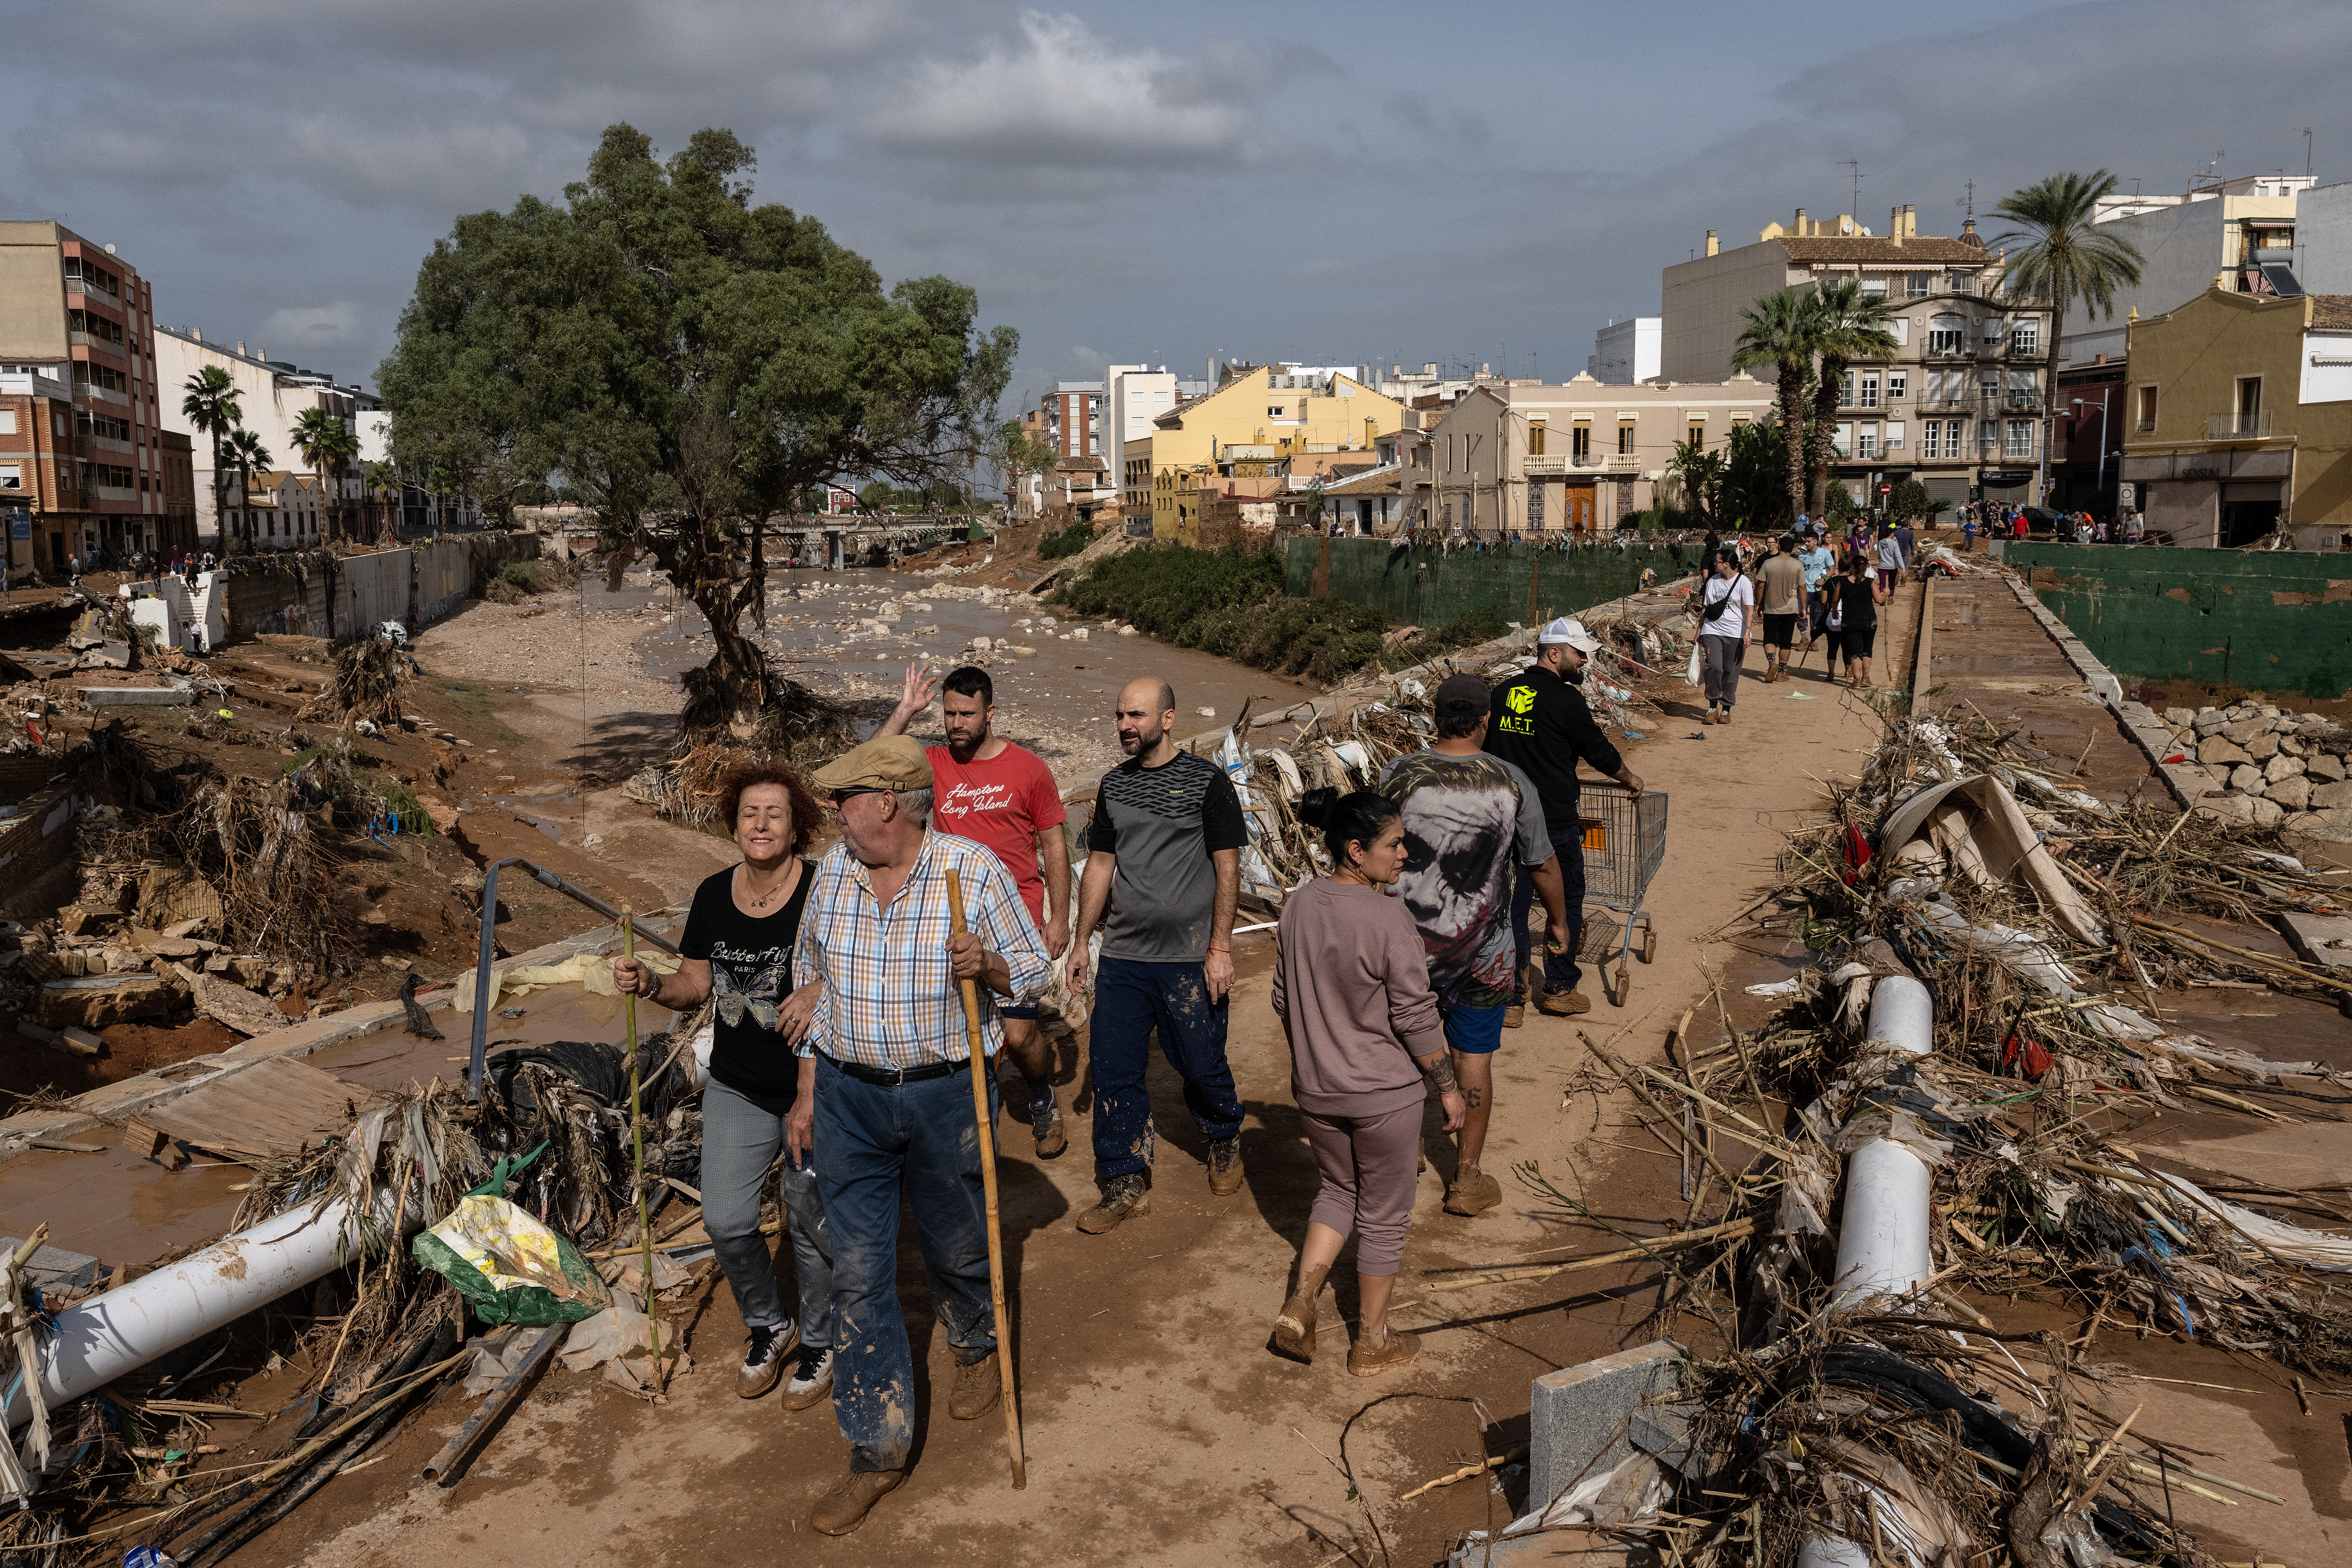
{"points": [[2239, 426]]}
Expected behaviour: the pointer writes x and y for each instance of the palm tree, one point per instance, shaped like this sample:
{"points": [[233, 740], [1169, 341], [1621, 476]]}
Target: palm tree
{"points": [[328, 443], [1783, 331], [383, 481], [1702, 473], [243, 452], [211, 407], [2064, 255], [1853, 325]]}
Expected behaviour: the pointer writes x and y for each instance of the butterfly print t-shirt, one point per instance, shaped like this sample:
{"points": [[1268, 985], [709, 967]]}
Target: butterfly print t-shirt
{"points": [[751, 974]]}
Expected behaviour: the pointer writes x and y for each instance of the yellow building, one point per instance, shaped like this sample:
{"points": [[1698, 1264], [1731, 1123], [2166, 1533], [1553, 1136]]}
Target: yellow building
{"points": [[1275, 411]]}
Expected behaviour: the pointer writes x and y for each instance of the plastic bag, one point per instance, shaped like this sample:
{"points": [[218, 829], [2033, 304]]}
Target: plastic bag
{"points": [[509, 1266], [1692, 676]]}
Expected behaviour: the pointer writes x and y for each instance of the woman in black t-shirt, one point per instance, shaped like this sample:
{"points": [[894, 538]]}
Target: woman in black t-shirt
{"points": [[739, 942], [1853, 600]]}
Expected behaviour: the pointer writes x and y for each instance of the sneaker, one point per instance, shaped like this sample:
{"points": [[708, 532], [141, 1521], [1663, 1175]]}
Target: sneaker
{"points": [[1225, 1165], [978, 1386], [764, 1359], [1563, 1004], [844, 1507], [1515, 1015], [1046, 1121], [1293, 1329], [1122, 1197], [1726, 717], [812, 1379], [1396, 1348], [1473, 1193]]}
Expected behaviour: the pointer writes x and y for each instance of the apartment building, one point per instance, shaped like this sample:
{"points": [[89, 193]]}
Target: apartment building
{"points": [[1626, 352], [272, 396], [75, 315], [2239, 416], [1528, 458], [278, 510], [1072, 418], [1957, 405], [1259, 414]]}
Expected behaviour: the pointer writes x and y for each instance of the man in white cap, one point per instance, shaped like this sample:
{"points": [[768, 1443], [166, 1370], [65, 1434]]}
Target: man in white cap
{"points": [[1539, 723]]}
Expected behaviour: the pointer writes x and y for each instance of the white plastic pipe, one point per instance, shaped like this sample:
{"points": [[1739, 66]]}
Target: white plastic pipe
{"points": [[1883, 1241], [102, 1339]]}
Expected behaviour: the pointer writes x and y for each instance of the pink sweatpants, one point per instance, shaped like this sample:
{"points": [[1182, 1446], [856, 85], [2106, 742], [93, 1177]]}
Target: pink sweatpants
{"points": [[1367, 1166]]}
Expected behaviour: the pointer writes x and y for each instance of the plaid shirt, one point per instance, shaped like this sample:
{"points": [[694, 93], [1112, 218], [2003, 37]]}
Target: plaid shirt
{"points": [[890, 996]]}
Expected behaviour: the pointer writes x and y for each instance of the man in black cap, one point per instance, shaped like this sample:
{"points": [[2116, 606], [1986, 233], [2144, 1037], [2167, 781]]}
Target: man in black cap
{"points": [[1539, 722], [1471, 823]]}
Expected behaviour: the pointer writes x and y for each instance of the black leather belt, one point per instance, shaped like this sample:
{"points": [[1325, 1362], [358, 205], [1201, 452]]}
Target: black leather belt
{"points": [[892, 1077]]}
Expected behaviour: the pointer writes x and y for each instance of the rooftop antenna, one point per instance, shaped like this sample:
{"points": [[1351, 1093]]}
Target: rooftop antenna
{"points": [[2307, 152], [1968, 202], [1855, 164]]}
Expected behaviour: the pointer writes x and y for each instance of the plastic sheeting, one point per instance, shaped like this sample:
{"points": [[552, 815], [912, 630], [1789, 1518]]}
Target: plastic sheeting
{"points": [[1978, 832]]}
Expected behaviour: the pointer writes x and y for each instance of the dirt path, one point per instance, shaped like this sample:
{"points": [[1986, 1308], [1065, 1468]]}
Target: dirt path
{"points": [[1159, 1429]]}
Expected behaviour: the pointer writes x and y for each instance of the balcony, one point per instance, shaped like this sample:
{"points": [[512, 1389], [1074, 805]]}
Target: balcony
{"points": [[2239, 426], [94, 289]]}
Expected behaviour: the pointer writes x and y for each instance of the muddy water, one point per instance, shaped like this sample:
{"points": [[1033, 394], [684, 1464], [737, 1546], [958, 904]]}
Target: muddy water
{"points": [[1053, 692]]}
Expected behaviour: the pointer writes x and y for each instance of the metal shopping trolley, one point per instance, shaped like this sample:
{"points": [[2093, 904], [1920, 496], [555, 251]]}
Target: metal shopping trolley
{"points": [[1625, 844]]}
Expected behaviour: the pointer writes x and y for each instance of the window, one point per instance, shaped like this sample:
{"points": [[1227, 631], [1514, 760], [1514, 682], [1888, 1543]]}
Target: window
{"points": [[1841, 443], [1869, 385], [1580, 444], [1874, 288], [2024, 337], [2024, 390], [1964, 282], [1845, 390], [1989, 388], [2147, 420], [1915, 285], [2017, 438], [1898, 385], [1867, 447], [1624, 441], [1895, 435], [1945, 335], [11, 476], [1696, 433], [1273, 412], [7, 421], [1535, 439]]}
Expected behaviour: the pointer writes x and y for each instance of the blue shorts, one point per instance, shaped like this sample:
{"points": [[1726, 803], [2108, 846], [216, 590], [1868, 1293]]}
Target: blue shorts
{"points": [[1025, 1010], [1475, 1031]]}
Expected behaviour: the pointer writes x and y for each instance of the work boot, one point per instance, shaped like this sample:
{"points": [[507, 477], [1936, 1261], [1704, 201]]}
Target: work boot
{"points": [[1514, 1015], [1293, 1329], [1225, 1165], [765, 1353], [1122, 1199], [1473, 1193], [1726, 717], [846, 1503], [1396, 1348], [1046, 1121], [978, 1385], [812, 1379], [1563, 1004]]}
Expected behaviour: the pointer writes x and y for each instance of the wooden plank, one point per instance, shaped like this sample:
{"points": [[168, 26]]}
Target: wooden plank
{"points": [[272, 1108]]}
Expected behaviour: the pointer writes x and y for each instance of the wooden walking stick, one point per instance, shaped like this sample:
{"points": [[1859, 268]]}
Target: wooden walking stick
{"points": [[988, 1183], [638, 1136]]}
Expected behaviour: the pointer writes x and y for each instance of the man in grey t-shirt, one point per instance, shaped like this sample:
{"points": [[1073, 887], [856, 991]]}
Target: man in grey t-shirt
{"points": [[1163, 863]]}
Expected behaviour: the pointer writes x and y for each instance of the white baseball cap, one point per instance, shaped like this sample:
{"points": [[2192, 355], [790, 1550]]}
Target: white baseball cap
{"points": [[1571, 632]]}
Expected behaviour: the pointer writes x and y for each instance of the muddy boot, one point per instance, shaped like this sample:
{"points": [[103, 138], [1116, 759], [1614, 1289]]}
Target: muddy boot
{"points": [[1515, 1015], [978, 1386], [1563, 1004], [1396, 1348], [1294, 1329], [812, 1379], [1045, 1119], [846, 1503], [1473, 1193], [1225, 1165], [1122, 1197], [764, 1355]]}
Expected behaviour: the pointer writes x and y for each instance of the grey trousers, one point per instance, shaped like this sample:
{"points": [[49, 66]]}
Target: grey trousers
{"points": [[1723, 657], [739, 1141]]}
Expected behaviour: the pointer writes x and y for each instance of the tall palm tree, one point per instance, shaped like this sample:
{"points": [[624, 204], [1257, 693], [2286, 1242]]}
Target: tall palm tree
{"points": [[211, 407], [328, 443], [1783, 331], [243, 452], [1852, 325], [384, 482], [2065, 256]]}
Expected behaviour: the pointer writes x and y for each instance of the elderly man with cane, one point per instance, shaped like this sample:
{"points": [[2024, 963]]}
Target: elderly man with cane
{"points": [[894, 1104]]}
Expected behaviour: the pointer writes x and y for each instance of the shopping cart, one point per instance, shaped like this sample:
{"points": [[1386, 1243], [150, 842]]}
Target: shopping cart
{"points": [[1624, 842]]}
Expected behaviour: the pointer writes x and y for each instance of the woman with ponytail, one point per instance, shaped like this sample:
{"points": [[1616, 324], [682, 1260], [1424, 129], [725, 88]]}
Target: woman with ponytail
{"points": [[1351, 986]]}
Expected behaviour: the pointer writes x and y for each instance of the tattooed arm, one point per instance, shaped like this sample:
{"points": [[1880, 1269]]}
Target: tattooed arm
{"points": [[1438, 1069]]}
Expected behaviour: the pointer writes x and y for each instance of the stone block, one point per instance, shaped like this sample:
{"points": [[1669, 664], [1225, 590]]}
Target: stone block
{"points": [[2262, 748], [2267, 813], [2323, 766], [138, 696], [2177, 717], [2209, 722], [102, 1000], [2215, 752], [2291, 794], [2332, 796], [2286, 724], [2282, 767], [2246, 779], [2235, 809], [1580, 1418], [2245, 730], [2291, 747]]}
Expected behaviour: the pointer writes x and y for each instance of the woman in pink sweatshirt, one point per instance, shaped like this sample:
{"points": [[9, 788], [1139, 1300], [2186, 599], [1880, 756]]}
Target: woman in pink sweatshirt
{"points": [[1352, 984]]}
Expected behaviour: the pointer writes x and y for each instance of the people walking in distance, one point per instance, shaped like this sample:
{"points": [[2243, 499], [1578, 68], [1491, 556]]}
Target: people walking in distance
{"points": [[1781, 587], [1351, 987], [1003, 795], [1539, 723], [1726, 625], [894, 1098], [1162, 873], [1472, 826], [1855, 599], [741, 937], [1819, 564], [1889, 558]]}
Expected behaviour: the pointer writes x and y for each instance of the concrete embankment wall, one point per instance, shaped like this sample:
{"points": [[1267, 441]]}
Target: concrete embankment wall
{"points": [[2269, 620], [350, 596], [1417, 585]]}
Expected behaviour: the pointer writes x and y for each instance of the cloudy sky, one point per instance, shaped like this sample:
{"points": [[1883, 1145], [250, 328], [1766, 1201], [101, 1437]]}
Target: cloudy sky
{"points": [[1373, 181]]}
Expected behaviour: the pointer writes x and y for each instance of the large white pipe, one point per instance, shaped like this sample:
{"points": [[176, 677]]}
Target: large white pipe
{"points": [[99, 1339], [1883, 1241]]}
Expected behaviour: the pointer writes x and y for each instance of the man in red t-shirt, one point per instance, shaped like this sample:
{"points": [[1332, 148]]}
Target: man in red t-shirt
{"points": [[1002, 796]]}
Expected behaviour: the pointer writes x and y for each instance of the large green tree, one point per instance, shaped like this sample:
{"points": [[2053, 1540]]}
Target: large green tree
{"points": [[1783, 329], [246, 457], [688, 363], [2065, 256], [1848, 325]]}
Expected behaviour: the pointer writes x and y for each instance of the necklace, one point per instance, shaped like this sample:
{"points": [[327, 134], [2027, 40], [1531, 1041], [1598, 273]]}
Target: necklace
{"points": [[769, 897]]}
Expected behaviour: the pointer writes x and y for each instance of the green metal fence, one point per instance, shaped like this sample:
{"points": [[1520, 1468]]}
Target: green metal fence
{"points": [[1429, 587]]}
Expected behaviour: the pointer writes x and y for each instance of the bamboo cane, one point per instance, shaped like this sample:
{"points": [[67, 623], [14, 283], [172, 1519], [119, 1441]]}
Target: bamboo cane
{"points": [[988, 1185], [637, 1141]]}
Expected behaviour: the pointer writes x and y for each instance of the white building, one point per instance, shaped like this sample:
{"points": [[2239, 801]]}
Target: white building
{"points": [[272, 394], [1625, 352], [2241, 236]]}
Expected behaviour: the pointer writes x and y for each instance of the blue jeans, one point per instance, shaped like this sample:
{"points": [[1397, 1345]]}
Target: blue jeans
{"points": [[1560, 973], [739, 1141], [872, 1141], [1131, 1000]]}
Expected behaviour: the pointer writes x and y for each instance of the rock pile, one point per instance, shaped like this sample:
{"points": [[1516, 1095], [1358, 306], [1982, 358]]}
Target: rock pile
{"points": [[2278, 769]]}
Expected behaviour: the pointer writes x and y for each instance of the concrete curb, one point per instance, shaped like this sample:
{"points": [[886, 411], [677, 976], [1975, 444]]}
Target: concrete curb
{"points": [[113, 1101]]}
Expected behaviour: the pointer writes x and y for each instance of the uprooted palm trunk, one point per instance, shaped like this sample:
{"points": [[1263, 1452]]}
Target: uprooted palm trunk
{"points": [[278, 879], [365, 685]]}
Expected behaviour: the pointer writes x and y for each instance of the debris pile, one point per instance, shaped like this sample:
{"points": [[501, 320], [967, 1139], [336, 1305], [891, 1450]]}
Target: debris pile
{"points": [[364, 686]]}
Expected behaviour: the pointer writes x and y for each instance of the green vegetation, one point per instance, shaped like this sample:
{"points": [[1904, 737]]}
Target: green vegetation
{"points": [[474, 701], [1230, 603], [522, 574], [1069, 542], [2062, 253]]}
